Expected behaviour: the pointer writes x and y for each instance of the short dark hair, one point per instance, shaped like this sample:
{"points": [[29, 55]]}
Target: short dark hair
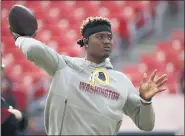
{"points": [[89, 22], [93, 21]]}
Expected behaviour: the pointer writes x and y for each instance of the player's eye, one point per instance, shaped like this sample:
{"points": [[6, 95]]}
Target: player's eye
{"points": [[110, 37], [100, 37]]}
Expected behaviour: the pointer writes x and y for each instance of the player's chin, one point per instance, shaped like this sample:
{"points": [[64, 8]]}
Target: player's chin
{"points": [[106, 54]]}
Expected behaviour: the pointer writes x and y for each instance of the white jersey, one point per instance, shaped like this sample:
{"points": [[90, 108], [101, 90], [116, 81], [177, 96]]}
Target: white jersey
{"points": [[85, 98]]}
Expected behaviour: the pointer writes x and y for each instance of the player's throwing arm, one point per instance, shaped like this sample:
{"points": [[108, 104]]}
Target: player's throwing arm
{"points": [[23, 27]]}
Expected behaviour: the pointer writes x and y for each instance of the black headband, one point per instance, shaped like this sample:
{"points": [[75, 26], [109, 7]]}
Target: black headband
{"points": [[92, 30], [95, 29]]}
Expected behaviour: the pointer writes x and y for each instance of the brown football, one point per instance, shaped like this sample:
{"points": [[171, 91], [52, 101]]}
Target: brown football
{"points": [[22, 20]]}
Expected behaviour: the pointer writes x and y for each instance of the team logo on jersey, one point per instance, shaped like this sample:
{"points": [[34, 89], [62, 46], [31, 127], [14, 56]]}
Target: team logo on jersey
{"points": [[100, 76]]}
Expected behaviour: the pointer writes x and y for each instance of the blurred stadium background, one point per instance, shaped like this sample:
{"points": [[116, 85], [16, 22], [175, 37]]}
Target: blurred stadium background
{"points": [[148, 35]]}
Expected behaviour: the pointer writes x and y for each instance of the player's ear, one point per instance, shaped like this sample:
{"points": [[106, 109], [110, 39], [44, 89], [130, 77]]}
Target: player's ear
{"points": [[85, 41]]}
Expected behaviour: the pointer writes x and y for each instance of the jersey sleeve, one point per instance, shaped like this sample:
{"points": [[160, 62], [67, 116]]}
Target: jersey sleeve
{"points": [[43, 56], [142, 114]]}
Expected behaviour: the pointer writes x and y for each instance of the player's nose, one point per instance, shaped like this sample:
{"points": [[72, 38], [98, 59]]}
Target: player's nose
{"points": [[106, 41]]}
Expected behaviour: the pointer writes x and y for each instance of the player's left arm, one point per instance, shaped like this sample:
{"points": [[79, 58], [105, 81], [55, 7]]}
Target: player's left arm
{"points": [[142, 114], [138, 106]]}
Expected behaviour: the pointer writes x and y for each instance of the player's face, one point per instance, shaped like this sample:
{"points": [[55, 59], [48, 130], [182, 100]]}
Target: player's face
{"points": [[100, 45]]}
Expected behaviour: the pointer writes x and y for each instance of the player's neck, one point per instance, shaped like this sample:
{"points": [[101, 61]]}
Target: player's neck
{"points": [[95, 60]]}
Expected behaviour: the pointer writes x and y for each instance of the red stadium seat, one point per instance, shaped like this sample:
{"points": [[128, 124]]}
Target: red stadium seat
{"points": [[4, 14], [173, 58], [27, 66], [71, 35], [66, 7], [27, 80], [54, 15], [178, 45], [177, 34], [53, 4], [15, 72], [44, 35], [70, 4], [8, 41], [63, 24], [87, 4], [40, 24], [152, 63], [40, 92], [62, 41], [74, 51], [126, 18], [138, 12], [5, 27], [132, 69], [174, 45], [135, 73], [113, 6], [18, 54], [91, 7], [53, 44], [77, 23], [7, 49], [56, 30], [21, 99], [41, 15], [7, 4], [115, 23], [171, 88], [8, 59], [172, 78], [103, 11], [34, 6], [164, 46], [79, 13]]}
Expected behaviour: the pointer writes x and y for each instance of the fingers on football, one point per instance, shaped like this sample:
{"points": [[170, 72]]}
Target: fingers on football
{"points": [[161, 78], [162, 82], [153, 75]]}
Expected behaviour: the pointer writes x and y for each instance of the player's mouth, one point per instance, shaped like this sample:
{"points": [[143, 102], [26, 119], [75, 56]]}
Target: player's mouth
{"points": [[107, 48]]}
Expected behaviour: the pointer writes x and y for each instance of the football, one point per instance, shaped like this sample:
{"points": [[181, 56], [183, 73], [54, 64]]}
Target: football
{"points": [[22, 21]]}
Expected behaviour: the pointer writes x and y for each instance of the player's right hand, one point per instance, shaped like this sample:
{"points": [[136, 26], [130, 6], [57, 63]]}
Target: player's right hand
{"points": [[16, 35], [17, 113]]}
